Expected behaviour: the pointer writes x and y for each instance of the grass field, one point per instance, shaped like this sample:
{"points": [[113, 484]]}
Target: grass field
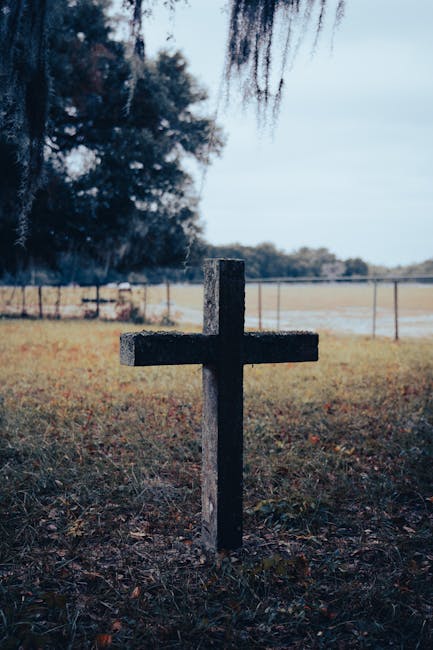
{"points": [[100, 499]]}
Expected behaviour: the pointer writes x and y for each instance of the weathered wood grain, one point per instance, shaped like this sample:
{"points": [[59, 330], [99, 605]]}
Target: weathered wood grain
{"points": [[222, 434], [166, 348], [280, 347], [174, 348]]}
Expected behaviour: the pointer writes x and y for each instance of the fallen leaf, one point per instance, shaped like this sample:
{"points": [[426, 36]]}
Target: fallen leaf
{"points": [[408, 529], [103, 640]]}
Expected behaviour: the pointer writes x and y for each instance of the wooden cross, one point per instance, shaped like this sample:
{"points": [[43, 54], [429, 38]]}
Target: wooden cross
{"points": [[223, 349]]}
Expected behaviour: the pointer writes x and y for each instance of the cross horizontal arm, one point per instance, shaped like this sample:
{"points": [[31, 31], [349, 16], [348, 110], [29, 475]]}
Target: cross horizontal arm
{"points": [[174, 348], [280, 347], [166, 348]]}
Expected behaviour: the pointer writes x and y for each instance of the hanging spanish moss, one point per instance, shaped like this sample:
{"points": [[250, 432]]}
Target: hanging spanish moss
{"points": [[141, 9], [24, 98], [251, 43]]}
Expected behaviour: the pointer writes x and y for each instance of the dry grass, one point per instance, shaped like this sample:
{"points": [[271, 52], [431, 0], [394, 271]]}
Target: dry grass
{"points": [[100, 499]]}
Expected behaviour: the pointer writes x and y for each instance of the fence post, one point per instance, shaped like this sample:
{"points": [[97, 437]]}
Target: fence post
{"points": [[260, 305], [144, 302], [167, 286], [97, 301], [374, 307], [131, 300], [278, 304], [58, 299], [23, 301], [41, 312], [396, 310]]}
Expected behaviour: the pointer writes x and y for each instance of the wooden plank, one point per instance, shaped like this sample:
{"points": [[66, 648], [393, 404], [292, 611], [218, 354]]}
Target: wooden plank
{"points": [[174, 348], [222, 442], [280, 347], [166, 348]]}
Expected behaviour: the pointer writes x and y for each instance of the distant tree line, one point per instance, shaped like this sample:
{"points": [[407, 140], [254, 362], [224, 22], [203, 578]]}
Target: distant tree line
{"points": [[267, 261], [262, 261], [421, 269]]}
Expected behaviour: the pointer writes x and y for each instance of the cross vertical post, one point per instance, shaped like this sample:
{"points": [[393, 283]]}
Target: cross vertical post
{"points": [[222, 436]]}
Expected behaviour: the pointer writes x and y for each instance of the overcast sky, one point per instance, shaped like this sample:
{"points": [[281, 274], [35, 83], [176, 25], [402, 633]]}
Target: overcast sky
{"points": [[350, 163]]}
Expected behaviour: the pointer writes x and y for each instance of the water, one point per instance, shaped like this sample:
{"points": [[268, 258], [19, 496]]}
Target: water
{"points": [[353, 320]]}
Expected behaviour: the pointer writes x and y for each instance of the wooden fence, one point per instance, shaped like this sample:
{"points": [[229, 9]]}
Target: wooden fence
{"points": [[147, 303], [374, 281]]}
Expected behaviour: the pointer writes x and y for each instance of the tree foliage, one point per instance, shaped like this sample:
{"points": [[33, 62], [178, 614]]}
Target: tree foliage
{"points": [[131, 203], [267, 261]]}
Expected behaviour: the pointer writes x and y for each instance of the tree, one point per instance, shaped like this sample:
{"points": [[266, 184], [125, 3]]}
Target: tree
{"points": [[355, 266], [24, 100], [24, 27], [131, 204], [267, 261]]}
